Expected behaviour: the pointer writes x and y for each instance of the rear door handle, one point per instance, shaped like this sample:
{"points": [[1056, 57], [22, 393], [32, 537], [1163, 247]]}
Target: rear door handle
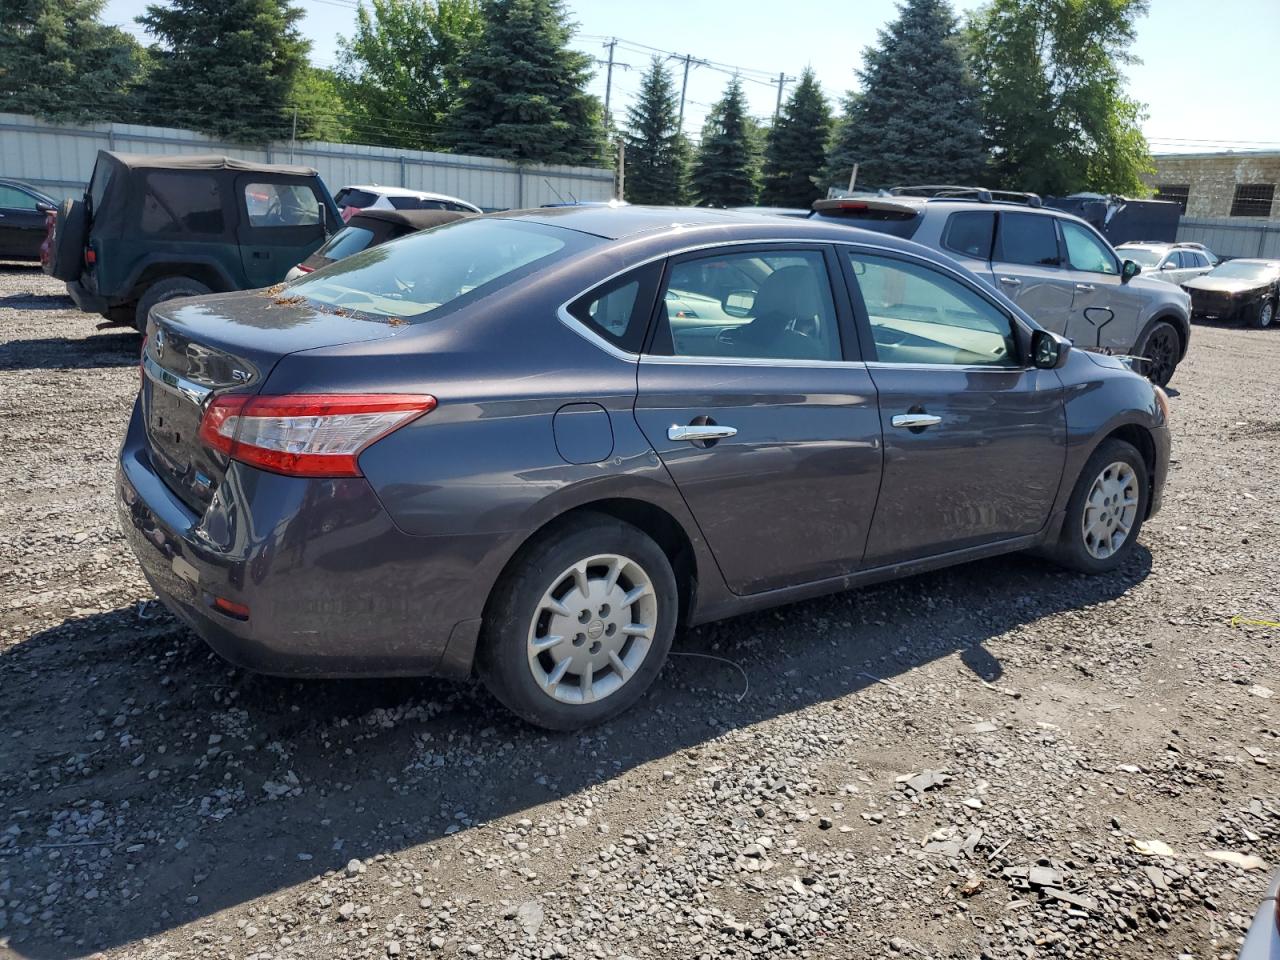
{"points": [[1011, 281], [915, 421], [1085, 287], [707, 432]]}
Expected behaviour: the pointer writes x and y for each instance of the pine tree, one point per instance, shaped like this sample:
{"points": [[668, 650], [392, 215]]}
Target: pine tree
{"points": [[58, 61], [656, 152], [916, 119], [225, 67], [726, 171], [796, 147], [400, 68], [524, 95]]}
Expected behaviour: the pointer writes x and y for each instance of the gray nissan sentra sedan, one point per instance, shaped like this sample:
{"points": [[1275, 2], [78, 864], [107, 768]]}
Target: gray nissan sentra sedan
{"points": [[531, 444]]}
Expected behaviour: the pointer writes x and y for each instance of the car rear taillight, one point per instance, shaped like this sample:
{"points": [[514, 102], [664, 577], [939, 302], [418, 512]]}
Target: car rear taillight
{"points": [[306, 435], [303, 268], [90, 256]]}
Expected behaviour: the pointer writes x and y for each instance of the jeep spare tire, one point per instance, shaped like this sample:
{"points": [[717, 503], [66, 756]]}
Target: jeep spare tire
{"points": [[66, 250], [170, 288]]}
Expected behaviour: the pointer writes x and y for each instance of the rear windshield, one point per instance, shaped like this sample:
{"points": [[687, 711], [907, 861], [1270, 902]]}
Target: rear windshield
{"points": [[882, 221], [345, 242], [355, 198], [459, 261]]}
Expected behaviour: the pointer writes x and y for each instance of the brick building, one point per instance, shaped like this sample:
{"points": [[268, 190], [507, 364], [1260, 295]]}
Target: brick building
{"points": [[1231, 184]]}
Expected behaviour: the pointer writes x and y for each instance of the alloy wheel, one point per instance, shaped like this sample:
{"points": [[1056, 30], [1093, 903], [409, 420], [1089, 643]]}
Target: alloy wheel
{"points": [[592, 629], [1110, 510], [1267, 314], [1161, 354]]}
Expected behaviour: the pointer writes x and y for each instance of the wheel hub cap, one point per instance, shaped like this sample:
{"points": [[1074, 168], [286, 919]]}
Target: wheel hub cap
{"points": [[592, 629], [1110, 510]]}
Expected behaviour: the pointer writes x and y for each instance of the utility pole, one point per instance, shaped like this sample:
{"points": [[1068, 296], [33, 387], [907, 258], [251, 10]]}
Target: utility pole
{"points": [[853, 178], [293, 140], [622, 168], [782, 81], [608, 76], [684, 86]]}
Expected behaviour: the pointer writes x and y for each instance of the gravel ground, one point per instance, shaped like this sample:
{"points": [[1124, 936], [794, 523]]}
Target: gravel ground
{"points": [[1000, 760]]}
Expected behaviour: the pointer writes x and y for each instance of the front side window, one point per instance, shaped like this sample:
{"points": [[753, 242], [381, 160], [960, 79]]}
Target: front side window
{"points": [[919, 315], [410, 279], [1086, 252], [181, 203], [1028, 238], [281, 205], [14, 199], [768, 305]]}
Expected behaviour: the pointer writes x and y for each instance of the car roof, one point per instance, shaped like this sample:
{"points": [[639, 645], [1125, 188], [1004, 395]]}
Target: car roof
{"points": [[401, 192], [202, 161], [705, 224], [414, 219]]}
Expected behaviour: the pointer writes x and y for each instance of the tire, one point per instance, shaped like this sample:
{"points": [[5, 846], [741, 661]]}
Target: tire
{"points": [[1161, 347], [66, 249], [1263, 316], [521, 673], [170, 288], [1086, 552]]}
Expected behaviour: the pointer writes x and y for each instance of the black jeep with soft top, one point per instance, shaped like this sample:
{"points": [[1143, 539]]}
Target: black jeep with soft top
{"points": [[152, 228]]}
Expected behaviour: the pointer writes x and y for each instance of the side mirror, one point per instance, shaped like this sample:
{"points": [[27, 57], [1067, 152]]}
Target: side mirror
{"points": [[42, 207], [1129, 271], [1168, 265], [1048, 350], [739, 303]]}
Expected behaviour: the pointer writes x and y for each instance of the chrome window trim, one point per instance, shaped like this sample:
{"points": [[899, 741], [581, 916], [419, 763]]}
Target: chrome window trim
{"points": [[582, 330], [962, 368], [699, 360], [170, 381]]}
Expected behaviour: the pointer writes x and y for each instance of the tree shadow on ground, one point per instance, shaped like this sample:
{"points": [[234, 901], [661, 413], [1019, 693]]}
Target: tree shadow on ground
{"points": [[116, 349], [364, 767]]}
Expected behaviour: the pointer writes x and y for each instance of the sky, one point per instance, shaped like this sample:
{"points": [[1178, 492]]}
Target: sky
{"points": [[1210, 72]]}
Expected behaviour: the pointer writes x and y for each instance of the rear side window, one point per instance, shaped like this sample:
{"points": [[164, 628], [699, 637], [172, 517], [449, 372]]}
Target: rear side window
{"points": [[619, 310], [181, 204], [281, 205], [452, 264], [970, 234], [98, 186], [1027, 238]]}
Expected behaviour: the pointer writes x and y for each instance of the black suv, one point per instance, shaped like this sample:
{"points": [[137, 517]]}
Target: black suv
{"points": [[152, 228]]}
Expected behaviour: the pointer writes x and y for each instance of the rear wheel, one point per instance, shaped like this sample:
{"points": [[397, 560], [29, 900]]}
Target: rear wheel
{"points": [[1263, 316], [1161, 350], [581, 624], [170, 288], [1106, 509]]}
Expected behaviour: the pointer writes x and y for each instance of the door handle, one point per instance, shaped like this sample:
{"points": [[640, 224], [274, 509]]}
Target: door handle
{"points": [[261, 255], [701, 432], [915, 421], [1085, 287], [1011, 281]]}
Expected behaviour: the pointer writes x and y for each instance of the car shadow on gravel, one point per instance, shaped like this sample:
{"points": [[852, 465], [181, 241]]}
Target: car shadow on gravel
{"points": [[148, 784], [98, 350]]}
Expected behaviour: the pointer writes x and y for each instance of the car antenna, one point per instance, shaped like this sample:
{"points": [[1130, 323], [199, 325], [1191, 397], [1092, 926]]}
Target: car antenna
{"points": [[558, 194]]}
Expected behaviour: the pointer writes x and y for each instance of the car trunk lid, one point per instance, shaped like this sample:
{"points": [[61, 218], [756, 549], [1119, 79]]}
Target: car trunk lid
{"points": [[225, 343]]}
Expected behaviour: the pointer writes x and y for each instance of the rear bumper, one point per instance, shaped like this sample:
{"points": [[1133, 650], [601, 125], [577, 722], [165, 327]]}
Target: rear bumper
{"points": [[87, 300], [333, 588]]}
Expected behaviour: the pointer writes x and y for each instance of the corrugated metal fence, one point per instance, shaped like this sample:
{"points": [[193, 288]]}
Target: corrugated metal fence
{"points": [[1233, 236], [58, 159]]}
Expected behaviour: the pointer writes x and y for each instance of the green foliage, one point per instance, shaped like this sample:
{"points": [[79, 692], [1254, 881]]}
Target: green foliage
{"points": [[322, 112], [916, 119], [1052, 94], [400, 69], [524, 95], [726, 171], [58, 61], [795, 147], [656, 154], [225, 67]]}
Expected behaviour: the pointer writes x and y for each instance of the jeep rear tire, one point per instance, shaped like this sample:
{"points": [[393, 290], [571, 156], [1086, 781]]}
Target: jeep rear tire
{"points": [[66, 249], [169, 288]]}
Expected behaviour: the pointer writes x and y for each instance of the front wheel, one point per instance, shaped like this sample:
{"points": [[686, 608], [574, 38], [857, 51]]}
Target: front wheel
{"points": [[1161, 349], [581, 624], [1263, 316], [1106, 510]]}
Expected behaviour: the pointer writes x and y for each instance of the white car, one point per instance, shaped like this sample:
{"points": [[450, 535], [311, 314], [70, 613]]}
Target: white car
{"points": [[373, 197], [1175, 263]]}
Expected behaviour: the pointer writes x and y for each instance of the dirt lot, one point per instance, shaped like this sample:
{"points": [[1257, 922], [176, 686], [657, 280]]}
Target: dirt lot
{"points": [[155, 802]]}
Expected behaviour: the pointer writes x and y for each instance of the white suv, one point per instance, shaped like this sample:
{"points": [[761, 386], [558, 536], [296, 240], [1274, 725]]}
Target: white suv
{"points": [[373, 197], [1171, 262]]}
